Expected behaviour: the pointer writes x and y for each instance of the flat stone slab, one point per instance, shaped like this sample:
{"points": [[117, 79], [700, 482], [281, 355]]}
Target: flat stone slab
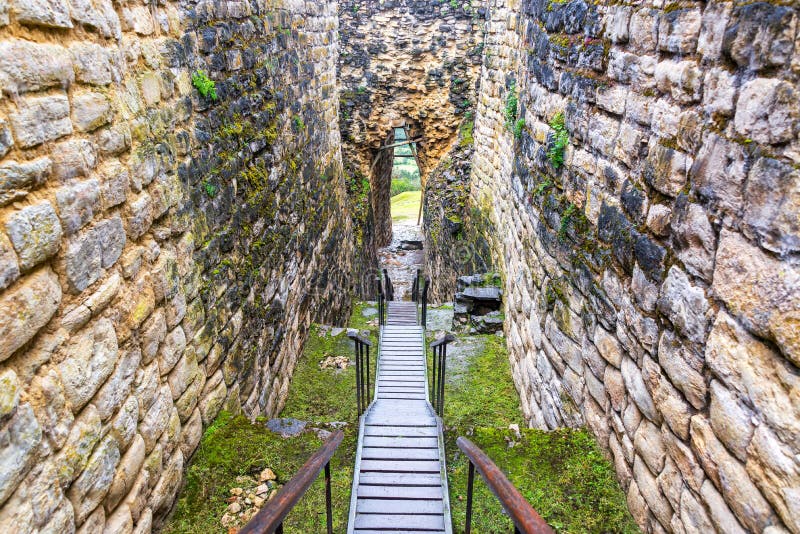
{"points": [[287, 427]]}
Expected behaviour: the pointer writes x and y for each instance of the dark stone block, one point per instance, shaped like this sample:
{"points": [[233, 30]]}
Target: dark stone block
{"points": [[650, 257]]}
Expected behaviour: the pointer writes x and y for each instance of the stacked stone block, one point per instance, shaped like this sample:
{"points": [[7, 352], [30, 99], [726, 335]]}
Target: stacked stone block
{"points": [[162, 254], [651, 281]]}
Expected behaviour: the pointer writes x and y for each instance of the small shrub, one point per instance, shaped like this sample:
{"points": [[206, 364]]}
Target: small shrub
{"points": [[298, 122], [466, 131], [210, 189], [560, 139], [204, 85]]}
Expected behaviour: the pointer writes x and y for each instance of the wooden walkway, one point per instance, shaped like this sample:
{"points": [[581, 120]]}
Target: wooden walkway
{"points": [[400, 484]]}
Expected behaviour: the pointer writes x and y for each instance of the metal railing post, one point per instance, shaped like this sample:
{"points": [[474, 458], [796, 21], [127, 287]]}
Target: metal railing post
{"points": [[439, 359], [381, 303], [425, 303], [363, 386], [328, 499], [470, 484]]}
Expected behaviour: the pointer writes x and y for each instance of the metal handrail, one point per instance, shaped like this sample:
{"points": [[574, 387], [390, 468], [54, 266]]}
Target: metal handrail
{"points": [[362, 346], [439, 348], [415, 287], [525, 518], [270, 518], [424, 300], [389, 287], [381, 302]]}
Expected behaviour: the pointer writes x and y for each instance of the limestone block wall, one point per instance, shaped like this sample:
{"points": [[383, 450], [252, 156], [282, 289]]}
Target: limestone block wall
{"points": [[162, 253], [652, 281]]}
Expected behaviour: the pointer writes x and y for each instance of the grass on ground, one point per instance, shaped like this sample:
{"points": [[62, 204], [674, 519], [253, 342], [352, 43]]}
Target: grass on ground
{"points": [[233, 447], [405, 207], [563, 473]]}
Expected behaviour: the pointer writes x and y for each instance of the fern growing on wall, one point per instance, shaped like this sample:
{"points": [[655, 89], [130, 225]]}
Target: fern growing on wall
{"points": [[204, 85], [559, 142]]}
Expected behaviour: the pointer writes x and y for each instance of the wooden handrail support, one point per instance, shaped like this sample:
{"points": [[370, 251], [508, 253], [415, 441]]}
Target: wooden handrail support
{"points": [[522, 513], [271, 517]]}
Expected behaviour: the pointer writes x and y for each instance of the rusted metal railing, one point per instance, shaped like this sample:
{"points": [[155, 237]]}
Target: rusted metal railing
{"points": [[439, 348], [270, 518], [389, 291], [525, 518], [362, 347]]}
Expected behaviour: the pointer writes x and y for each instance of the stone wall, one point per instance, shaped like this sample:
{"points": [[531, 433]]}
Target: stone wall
{"points": [[652, 281], [404, 62], [162, 253]]}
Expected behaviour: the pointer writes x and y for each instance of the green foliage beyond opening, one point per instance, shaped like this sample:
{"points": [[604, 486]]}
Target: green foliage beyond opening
{"points": [[560, 139], [510, 112], [204, 85]]}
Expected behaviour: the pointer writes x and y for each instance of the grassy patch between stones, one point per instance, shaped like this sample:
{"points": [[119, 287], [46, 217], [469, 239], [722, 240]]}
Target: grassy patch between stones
{"points": [[234, 451]]}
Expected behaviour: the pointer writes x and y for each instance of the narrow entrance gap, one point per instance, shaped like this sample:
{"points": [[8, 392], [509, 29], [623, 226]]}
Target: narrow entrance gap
{"points": [[404, 255]]}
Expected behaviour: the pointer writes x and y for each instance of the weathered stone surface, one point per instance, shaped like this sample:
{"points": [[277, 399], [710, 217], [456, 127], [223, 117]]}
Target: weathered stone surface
{"points": [[9, 392], [18, 439], [46, 394], [35, 301], [721, 515], [90, 111], [758, 374], [89, 359], [27, 66], [83, 261], [760, 290], [154, 331], [117, 387], [9, 266], [35, 233], [167, 485], [92, 63], [730, 477], [18, 179], [608, 347], [77, 204], [649, 446], [156, 419], [678, 31], [129, 467], [667, 399], [123, 426], [776, 473], [684, 304], [694, 515], [48, 13], [773, 200], [6, 139], [74, 455], [767, 111], [98, 15], [120, 521], [684, 368], [731, 420], [73, 158], [171, 350], [719, 172], [41, 118], [634, 383], [666, 169], [91, 486], [115, 183], [139, 216], [694, 238], [762, 35], [648, 486]]}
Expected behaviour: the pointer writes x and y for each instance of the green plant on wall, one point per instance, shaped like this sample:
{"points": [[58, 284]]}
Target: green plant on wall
{"points": [[299, 123], [560, 139], [204, 85], [510, 110], [518, 127]]}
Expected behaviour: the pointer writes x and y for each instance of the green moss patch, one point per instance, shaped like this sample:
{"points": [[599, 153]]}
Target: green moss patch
{"points": [[234, 451], [563, 473]]}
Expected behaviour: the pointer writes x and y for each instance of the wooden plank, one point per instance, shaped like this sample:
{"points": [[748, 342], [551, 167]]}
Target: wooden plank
{"points": [[400, 431], [398, 506], [402, 492], [401, 466], [379, 453], [400, 522], [431, 442], [399, 479]]}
